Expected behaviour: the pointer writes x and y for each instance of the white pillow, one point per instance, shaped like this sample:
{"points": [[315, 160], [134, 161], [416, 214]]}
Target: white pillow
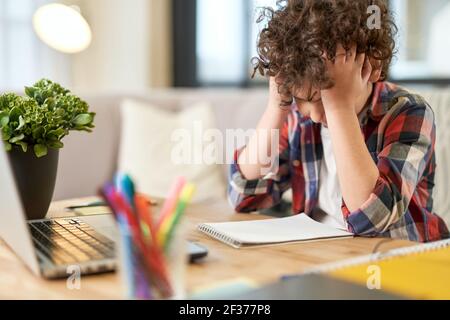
{"points": [[439, 100], [146, 149]]}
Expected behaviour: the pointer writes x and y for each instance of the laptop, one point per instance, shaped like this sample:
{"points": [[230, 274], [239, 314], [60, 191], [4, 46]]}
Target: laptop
{"points": [[50, 246], [313, 287]]}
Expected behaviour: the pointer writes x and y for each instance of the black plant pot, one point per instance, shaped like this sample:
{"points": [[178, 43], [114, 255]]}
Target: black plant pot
{"points": [[35, 179]]}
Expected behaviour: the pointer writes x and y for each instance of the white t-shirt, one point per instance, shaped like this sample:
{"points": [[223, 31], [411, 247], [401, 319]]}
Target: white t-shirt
{"points": [[329, 210]]}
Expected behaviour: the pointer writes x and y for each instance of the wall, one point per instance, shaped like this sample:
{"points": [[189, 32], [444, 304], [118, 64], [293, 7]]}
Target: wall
{"points": [[129, 39], [160, 43]]}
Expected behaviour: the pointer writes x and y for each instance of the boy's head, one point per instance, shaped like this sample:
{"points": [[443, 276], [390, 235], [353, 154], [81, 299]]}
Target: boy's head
{"points": [[302, 32]]}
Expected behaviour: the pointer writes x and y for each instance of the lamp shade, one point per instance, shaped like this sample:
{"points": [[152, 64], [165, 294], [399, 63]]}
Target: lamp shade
{"points": [[62, 28]]}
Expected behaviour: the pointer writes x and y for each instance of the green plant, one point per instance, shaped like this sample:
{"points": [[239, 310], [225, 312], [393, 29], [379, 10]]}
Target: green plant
{"points": [[42, 118]]}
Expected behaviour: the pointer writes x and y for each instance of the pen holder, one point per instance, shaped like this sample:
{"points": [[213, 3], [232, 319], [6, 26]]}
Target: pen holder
{"points": [[140, 279], [152, 250], [177, 261]]}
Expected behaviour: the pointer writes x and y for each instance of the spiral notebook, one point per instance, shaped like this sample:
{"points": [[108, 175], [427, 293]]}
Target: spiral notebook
{"points": [[418, 272], [271, 231]]}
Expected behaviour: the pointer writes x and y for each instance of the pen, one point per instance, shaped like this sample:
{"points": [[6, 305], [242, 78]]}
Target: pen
{"points": [[148, 254], [88, 205], [145, 217], [171, 202], [104, 204], [127, 258], [125, 186], [185, 198]]}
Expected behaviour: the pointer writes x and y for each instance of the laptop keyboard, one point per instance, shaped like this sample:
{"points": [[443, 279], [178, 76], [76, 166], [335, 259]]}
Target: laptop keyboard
{"points": [[70, 241]]}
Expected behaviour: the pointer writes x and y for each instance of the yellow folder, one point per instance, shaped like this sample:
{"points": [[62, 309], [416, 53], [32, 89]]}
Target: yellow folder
{"points": [[419, 272]]}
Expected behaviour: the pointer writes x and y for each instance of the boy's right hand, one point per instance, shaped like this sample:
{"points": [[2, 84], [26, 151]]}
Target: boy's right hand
{"points": [[277, 100], [264, 141]]}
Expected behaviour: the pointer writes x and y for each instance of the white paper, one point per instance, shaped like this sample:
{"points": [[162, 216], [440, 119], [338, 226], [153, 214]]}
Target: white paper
{"points": [[296, 228]]}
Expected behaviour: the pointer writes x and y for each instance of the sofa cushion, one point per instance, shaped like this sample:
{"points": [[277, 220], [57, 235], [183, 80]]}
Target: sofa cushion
{"points": [[89, 160], [151, 140], [439, 100]]}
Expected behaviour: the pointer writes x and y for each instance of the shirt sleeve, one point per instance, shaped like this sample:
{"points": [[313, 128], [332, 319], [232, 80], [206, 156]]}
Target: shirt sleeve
{"points": [[253, 195], [408, 147]]}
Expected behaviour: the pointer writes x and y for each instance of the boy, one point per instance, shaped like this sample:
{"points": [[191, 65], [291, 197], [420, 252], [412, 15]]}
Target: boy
{"points": [[358, 153]]}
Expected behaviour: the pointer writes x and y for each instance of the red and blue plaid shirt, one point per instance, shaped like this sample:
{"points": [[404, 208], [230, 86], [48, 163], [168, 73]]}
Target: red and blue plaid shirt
{"points": [[399, 131]]}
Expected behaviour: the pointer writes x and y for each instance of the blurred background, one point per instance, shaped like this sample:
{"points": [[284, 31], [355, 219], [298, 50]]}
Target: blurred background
{"points": [[149, 67], [142, 44]]}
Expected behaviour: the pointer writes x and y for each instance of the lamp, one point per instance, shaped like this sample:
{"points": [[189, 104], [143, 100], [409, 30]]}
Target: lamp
{"points": [[62, 28]]}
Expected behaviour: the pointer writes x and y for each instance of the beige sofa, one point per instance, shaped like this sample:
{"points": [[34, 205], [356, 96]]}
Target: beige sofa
{"points": [[87, 161]]}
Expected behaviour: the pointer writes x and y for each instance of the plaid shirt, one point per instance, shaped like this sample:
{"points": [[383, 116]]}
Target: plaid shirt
{"points": [[399, 131]]}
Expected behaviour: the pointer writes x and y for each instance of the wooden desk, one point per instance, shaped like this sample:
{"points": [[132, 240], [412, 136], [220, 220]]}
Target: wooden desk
{"points": [[261, 265]]}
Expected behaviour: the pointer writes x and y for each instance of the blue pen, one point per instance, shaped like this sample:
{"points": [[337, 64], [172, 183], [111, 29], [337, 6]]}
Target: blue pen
{"points": [[125, 185], [128, 262], [128, 257]]}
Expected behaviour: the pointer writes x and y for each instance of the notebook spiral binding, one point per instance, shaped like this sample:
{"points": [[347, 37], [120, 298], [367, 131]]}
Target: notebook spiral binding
{"points": [[219, 236], [378, 257]]}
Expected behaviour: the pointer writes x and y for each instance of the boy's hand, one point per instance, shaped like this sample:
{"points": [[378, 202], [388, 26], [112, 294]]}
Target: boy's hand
{"points": [[277, 100], [350, 72]]}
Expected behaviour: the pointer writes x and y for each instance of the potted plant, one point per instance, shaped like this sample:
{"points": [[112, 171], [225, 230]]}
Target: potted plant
{"points": [[32, 130]]}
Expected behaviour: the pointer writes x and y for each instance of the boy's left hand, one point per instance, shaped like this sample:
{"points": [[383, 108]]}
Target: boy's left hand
{"points": [[350, 72]]}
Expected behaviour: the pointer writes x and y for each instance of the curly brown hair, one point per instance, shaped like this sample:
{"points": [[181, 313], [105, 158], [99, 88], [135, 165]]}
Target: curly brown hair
{"points": [[300, 32]]}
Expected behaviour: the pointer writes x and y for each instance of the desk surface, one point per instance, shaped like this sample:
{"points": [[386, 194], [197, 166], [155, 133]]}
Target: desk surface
{"points": [[260, 265]]}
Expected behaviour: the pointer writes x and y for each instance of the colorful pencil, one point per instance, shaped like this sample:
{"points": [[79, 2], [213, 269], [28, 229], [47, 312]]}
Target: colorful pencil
{"points": [[125, 186], [145, 240], [127, 256], [171, 201], [144, 213], [185, 198], [159, 271]]}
